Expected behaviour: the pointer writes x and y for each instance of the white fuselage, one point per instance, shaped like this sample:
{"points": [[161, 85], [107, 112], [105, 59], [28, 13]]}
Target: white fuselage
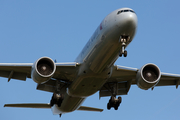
{"points": [[98, 56]]}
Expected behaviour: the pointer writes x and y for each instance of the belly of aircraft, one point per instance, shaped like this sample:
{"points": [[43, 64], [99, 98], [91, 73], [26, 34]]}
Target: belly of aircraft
{"points": [[69, 104], [86, 85]]}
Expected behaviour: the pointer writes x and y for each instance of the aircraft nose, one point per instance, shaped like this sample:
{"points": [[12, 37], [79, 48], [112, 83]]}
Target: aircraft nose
{"points": [[131, 19], [127, 20]]}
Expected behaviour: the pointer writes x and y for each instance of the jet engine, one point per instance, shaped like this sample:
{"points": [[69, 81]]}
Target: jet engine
{"points": [[43, 70], [148, 76]]}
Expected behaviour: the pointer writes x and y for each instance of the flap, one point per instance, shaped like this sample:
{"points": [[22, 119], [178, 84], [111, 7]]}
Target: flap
{"points": [[51, 86], [121, 87]]}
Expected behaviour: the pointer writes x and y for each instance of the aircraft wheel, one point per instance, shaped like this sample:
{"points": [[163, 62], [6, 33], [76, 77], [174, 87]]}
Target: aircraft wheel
{"points": [[119, 99], [108, 106], [120, 54], [60, 99], [125, 53], [52, 102], [116, 107]]}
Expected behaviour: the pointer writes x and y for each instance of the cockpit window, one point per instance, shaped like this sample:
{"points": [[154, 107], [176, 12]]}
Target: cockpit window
{"points": [[125, 11], [131, 11]]}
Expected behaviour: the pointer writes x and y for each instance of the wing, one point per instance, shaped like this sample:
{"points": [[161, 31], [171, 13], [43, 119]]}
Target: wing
{"points": [[65, 73], [123, 77], [168, 79], [18, 71]]}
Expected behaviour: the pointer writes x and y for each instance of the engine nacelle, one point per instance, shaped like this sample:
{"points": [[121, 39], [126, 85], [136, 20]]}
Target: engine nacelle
{"points": [[148, 76], [43, 70]]}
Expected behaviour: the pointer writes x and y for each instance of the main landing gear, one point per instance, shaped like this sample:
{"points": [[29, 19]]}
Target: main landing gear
{"points": [[57, 99], [114, 102], [123, 40]]}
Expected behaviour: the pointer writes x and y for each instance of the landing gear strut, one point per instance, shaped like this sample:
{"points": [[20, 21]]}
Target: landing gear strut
{"points": [[57, 99], [123, 40]]}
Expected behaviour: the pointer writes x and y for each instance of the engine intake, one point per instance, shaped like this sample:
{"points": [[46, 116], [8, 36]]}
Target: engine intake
{"points": [[43, 70], [148, 76]]}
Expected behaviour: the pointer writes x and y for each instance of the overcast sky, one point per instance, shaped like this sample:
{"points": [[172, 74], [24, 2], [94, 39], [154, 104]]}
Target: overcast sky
{"points": [[59, 29]]}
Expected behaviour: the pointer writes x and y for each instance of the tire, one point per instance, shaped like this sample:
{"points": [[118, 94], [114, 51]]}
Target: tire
{"points": [[120, 54], [125, 53], [108, 106], [119, 99], [51, 102], [116, 107]]}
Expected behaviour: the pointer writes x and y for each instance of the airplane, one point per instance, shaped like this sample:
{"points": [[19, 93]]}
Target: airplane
{"points": [[92, 71]]}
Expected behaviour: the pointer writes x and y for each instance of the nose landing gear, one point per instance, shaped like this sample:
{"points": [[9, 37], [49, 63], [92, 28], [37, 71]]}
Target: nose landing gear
{"points": [[123, 40]]}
